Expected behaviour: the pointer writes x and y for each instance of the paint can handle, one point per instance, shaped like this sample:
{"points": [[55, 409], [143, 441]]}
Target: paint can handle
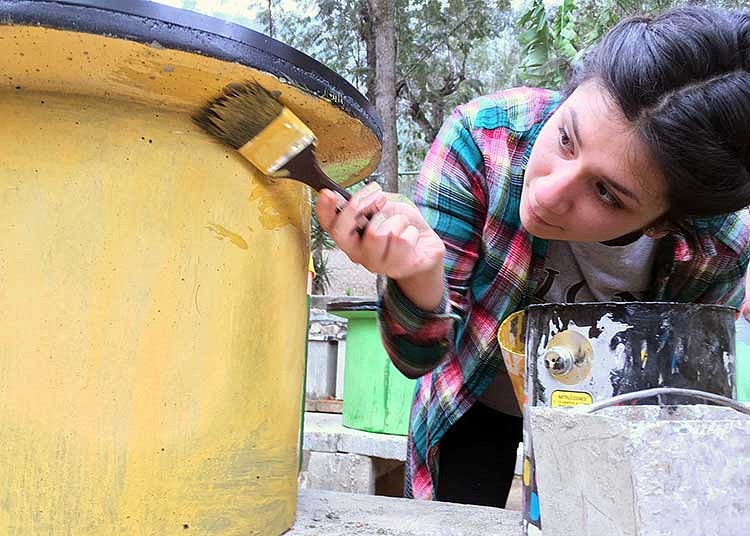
{"points": [[648, 393]]}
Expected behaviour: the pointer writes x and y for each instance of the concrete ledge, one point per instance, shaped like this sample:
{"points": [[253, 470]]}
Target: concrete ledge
{"points": [[328, 513], [325, 433], [336, 471]]}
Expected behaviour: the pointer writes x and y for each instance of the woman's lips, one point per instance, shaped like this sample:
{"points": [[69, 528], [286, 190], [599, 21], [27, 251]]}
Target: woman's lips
{"points": [[535, 215]]}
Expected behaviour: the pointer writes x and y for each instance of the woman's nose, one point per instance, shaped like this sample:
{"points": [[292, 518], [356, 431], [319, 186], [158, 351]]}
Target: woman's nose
{"points": [[556, 192]]}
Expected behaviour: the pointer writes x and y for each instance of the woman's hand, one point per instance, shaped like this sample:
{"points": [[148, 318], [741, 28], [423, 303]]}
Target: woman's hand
{"points": [[397, 242]]}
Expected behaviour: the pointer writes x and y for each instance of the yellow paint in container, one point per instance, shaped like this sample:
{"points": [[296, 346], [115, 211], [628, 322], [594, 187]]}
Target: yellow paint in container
{"points": [[153, 295], [511, 335]]}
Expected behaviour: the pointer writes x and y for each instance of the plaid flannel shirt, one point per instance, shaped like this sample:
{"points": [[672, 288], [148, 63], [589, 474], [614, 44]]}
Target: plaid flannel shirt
{"points": [[469, 191]]}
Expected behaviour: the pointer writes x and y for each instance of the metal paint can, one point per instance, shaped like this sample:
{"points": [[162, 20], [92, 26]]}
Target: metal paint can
{"points": [[588, 352]]}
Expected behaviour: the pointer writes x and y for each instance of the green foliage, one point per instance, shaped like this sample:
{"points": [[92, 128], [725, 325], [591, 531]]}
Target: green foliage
{"points": [[337, 27], [553, 38], [320, 242], [443, 60], [549, 42]]}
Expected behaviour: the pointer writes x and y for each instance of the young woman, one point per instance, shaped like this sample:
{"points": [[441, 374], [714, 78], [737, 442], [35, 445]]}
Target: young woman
{"points": [[631, 185]]}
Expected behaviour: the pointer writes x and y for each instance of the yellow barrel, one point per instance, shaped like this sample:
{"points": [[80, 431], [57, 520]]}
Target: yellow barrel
{"points": [[152, 288]]}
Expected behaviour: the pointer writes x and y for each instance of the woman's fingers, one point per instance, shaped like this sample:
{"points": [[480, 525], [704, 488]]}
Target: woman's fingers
{"points": [[409, 237], [372, 200], [362, 206], [345, 222], [355, 214], [401, 257], [392, 243], [391, 240], [376, 239], [392, 227], [326, 208]]}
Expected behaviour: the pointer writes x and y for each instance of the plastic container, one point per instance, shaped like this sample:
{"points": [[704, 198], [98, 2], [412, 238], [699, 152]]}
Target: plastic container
{"points": [[377, 397], [153, 283], [742, 343]]}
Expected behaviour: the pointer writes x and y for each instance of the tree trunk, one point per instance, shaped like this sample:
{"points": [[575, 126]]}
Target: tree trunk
{"points": [[270, 19], [418, 116], [383, 15], [367, 35]]}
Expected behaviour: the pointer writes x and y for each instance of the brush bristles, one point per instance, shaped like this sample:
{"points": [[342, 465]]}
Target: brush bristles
{"points": [[239, 114]]}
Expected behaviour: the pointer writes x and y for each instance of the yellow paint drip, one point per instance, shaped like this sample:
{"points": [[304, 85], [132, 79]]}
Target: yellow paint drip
{"points": [[275, 207], [526, 472], [222, 233]]}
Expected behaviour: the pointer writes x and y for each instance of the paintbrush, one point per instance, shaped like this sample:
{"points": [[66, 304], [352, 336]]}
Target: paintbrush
{"points": [[247, 117]]}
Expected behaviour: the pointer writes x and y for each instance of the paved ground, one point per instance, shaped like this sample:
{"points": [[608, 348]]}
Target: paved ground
{"points": [[328, 513]]}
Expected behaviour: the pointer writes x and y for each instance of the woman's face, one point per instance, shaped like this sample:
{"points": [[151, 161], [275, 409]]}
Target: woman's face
{"points": [[589, 179]]}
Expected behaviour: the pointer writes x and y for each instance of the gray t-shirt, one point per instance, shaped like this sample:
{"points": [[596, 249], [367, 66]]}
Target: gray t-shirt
{"points": [[584, 272], [594, 272]]}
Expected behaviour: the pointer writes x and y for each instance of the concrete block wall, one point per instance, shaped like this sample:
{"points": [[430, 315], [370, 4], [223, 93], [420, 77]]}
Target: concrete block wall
{"points": [[643, 471], [352, 473]]}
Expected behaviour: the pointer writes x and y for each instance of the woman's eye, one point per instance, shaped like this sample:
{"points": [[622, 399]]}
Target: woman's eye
{"points": [[565, 142], [607, 197]]}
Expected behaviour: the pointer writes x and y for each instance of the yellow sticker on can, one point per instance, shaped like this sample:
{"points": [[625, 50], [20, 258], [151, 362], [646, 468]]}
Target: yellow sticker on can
{"points": [[571, 398]]}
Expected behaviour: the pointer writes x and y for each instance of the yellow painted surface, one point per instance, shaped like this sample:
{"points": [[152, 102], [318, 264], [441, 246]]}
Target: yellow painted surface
{"points": [[153, 298], [43, 59], [512, 336], [526, 472]]}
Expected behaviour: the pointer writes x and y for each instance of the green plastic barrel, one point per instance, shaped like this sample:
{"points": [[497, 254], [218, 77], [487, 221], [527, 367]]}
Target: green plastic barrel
{"points": [[377, 397], [742, 350]]}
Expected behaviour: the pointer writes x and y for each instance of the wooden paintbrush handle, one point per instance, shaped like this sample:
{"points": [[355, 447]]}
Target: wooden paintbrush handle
{"points": [[326, 182], [329, 183], [305, 168]]}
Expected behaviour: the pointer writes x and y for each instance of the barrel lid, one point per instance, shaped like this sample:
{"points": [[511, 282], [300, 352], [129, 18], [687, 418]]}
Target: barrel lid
{"points": [[157, 54]]}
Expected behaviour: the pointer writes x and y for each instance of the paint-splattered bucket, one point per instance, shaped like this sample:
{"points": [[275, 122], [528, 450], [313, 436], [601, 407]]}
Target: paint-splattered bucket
{"points": [[577, 354], [644, 470]]}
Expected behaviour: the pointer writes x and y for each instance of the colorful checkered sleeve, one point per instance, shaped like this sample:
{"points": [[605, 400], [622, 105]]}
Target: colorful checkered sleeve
{"points": [[416, 340], [451, 198]]}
